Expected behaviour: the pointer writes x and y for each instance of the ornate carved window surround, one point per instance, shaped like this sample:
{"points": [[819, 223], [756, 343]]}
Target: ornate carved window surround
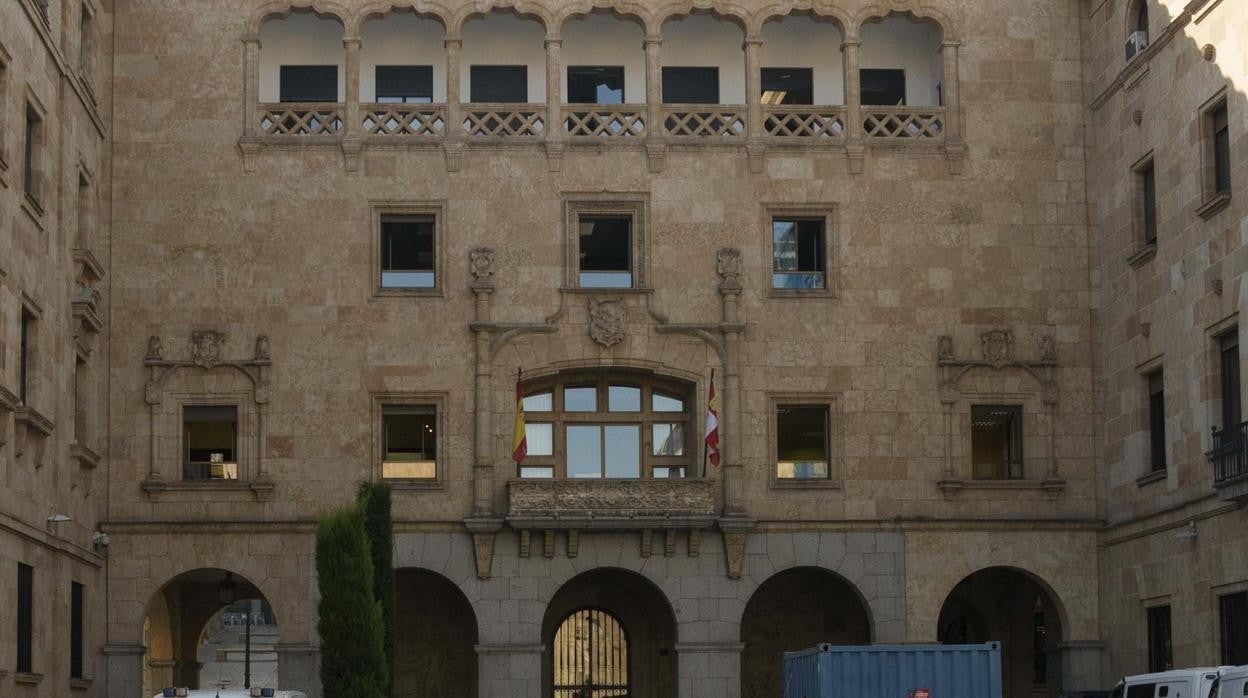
{"points": [[831, 242], [434, 208], [438, 401], [636, 206]]}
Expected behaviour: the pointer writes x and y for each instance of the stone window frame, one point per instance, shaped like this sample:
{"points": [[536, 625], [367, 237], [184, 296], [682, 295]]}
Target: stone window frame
{"points": [[35, 199], [1035, 446], [632, 204], [171, 418], [829, 213], [1216, 592], [438, 400], [1213, 367], [33, 369], [1143, 371], [1144, 250], [427, 207], [836, 438], [1211, 200], [87, 208], [88, 44], [5, 70], [1146, 605]]}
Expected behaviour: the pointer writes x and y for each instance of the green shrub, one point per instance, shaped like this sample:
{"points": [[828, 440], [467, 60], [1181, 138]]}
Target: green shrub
{"points": [[374, 501], [352, 657]]}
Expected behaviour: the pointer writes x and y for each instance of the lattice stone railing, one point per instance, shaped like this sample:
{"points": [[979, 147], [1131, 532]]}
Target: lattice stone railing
{"points": [[789, 121], [623, 121], [403, 119], [610, 503], [903, 122], [504, 120], [298, 119], [704, 121]]}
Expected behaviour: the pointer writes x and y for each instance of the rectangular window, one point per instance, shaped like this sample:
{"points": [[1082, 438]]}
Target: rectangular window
{"points": [[997, 442], [498, 84], [788, 86], [1157, 421], [32, 154], [75, 630], [86, 44], [1159, 656], [25, 618], [404, 83], [1146, 179], [1220, 128], [798, 253], [210, 435], [595, 84], [1228, 359], [407, 251], [688, 85], [26, 357], [1233, 625], [309, 83], [882, 87], [605, 252], [81, 397], [85, 212], [596, 451], [410, 441], [802, 444]]}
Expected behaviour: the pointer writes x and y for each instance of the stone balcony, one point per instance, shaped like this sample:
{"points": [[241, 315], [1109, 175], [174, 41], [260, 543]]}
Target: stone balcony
{"points": [[611, 504], [1229, 458]]}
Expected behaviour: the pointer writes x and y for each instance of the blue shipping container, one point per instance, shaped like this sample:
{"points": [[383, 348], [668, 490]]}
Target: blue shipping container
{"points": [[894, 671]]}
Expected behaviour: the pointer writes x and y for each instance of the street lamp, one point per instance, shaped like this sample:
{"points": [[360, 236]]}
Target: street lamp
{"points": [[228, 589]]}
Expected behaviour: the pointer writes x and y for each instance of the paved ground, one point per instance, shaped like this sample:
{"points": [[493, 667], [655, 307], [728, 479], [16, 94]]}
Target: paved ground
{"points": [[222, 656]]}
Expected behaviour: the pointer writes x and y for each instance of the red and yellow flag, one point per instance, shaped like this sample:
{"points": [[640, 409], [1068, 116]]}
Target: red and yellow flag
{"points": [[712, 425], [519, 443]]}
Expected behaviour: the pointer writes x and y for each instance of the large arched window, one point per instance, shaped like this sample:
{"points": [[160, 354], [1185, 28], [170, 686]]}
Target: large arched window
{"points": [[591, 656], [616, 425]]}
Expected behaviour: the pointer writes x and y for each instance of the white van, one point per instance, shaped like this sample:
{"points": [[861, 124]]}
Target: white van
{"points": [[227, 693], [1176, 683], [1233, 683]]}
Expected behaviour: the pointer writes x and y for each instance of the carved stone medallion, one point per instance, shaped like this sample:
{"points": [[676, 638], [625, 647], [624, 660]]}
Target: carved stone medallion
{"points": [[481, 264], [998, 348], [606, 321], [206, 348], [728, 265]]}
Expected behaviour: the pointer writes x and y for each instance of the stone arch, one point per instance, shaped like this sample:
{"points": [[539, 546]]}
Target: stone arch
{"points": [[922, 13], [624, 11], [435, 635], [522, 9], [379, 9], [643, 610], [728, 11], [796, 608], [324, 9], [779, 11]]}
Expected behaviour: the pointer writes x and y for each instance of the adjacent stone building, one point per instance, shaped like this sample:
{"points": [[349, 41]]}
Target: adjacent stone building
{"points": [[948, 267]]}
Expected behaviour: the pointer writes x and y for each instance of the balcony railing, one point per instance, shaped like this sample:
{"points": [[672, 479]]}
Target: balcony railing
{"points": [[791, 122], [428, 120], [611, 504], [605, 121], [300, 119], [504, 120], [1229, 457], [903, 122], [704, 121]]}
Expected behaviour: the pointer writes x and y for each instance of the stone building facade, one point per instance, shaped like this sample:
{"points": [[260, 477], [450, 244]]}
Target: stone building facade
{"points": [[931, 327]]}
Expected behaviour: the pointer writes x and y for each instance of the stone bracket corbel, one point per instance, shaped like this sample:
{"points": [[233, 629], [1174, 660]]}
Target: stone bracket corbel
{"points": [[249, 147], [352, 146], [756, 153], [554, 155], [29, 422], [453, 152], [504, 332], [955, 155], [484, 533], [856, 151], [734, 530], [656, 155]]}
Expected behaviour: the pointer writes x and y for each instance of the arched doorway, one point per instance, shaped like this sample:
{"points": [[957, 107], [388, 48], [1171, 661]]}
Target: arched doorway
{"points": [[435, 637], [999, 604], [793, 610], [609, 633], [209, 628]]}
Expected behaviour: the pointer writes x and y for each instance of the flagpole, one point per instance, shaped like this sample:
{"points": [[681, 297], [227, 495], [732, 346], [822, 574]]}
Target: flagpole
{"points": [[706, 448]]}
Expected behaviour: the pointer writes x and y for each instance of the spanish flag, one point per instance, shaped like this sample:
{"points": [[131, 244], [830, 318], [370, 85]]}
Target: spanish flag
{"points": [[519, 443]]}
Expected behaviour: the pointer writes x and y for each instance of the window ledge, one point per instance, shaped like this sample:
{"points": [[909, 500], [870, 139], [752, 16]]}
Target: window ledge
{"points": [[812, 484], [1143, 255], [800, 293], [1154, 476], [435, 292], [1214, 205], [605, 290], [1052, 487], [86, 457], [34, 421], [155, 489], [26, 678], [79, 684], [32, 209], [399, 484]]}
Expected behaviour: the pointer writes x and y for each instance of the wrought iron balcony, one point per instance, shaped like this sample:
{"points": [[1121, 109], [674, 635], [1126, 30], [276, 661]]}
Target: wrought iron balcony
{"points": [[611, 504], [1229, 457]]}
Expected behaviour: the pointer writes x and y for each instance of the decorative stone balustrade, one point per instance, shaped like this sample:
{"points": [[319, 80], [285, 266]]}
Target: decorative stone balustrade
{"points": [[300, 119], [611, 504], [790, 122], [704, 121], [504, 120], [903, 122], [605, 121], [426, 120]]}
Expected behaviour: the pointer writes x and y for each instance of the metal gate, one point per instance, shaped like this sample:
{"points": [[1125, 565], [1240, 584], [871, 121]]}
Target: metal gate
{"points": [[591, 656]]}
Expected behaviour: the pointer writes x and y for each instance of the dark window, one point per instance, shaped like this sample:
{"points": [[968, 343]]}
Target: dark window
{"points": [[882, 87], [34, 136], [1141, 16], [1221, 149], [606, 252], [1228, 355], [24, 356], [309, 83], [499, 83], [75, 630], [1039, 645], [410, 438], [801, 442], [1141, 690], [407, 251], [1233, 615], [210, 433], [404, 83], [595, 84], [1157, 420], [1159, 658], [82, 400], [798, 258], [997, 441], [788, 86], [683, 85], [1148, 191], [25, 617]]}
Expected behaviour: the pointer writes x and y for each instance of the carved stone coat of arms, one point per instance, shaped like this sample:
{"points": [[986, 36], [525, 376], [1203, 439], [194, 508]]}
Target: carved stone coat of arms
{"points": [[206, 348], [606, 321]]}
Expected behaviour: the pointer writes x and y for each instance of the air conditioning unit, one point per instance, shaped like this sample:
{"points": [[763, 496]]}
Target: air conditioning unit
{"points": [[1136, 42]]}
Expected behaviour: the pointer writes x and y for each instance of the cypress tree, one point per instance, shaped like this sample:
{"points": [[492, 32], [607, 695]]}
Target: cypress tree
{"points": [[352, 657], [374, 499]]}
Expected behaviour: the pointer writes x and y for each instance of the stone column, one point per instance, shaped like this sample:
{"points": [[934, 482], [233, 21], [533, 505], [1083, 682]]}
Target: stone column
{"points": [[733, 472], [554, 112], [509, 671], [709, 669], [854, 138], [251, 90], [298, 667], [655, 148], [955, 147], [453, 144], [482, 467], [352, 111], [123, 669], [754, 146]]}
